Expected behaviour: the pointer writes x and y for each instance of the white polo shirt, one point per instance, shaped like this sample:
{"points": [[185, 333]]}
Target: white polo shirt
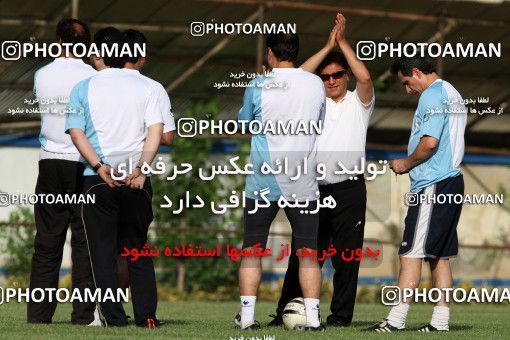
{"points": [[52, 85], [114, 109], [344, 135], [163, 100]]}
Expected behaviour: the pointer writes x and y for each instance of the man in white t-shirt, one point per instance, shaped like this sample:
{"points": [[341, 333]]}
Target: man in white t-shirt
{"points": [[301, 99], [135, 64], [114, 118], [342, 140], [60, 173]]}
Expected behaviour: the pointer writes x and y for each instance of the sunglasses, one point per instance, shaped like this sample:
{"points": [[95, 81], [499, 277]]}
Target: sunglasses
{"points": [[336, 75]]}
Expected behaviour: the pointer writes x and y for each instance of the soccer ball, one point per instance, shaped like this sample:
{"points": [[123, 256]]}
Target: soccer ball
{"points": [[294, 314]]}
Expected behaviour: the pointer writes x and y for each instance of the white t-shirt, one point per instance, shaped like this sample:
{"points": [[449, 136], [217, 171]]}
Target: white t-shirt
{"points": [[114, 109], [52, 85], [163, 100], [344, 135], [302, 99]]}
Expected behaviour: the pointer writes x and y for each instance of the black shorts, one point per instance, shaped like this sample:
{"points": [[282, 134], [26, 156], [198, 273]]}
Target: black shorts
{"points": [[256, 226], [430, 227]]}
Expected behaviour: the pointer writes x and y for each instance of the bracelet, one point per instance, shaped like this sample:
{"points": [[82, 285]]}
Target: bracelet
{"points": [[97, 166]]}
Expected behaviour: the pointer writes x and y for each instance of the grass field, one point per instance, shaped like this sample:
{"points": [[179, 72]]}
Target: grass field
{"points": [[210, 320]]}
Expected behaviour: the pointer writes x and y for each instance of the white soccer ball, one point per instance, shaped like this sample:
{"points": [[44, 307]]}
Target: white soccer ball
{"points": [[294, 314]]}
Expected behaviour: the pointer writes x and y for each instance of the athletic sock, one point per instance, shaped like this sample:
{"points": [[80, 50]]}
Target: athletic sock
{"points": [[398, 314], [440, 317], [312, 309], [247, 310]]}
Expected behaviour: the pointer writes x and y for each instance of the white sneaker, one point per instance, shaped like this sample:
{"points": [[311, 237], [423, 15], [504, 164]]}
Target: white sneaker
{"points": [[97, 320]]}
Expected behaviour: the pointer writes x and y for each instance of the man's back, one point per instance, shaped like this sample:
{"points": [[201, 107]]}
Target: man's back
{"points": [[118, 107], [163, 100], [300, 99], [54, 82]]}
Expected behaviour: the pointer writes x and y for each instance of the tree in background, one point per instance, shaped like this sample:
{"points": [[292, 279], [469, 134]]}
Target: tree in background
{"points": [[205, 273], [17, 245]]}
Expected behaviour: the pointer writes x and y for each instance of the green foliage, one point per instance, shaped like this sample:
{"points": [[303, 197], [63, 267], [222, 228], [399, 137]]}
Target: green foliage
{"points": [[200, 273], [18, 244]]}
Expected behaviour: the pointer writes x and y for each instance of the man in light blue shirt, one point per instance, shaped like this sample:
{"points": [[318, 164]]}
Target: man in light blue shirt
{"points": [[435, 151]]}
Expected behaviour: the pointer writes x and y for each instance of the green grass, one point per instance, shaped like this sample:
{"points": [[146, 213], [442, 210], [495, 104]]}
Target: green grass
{"points": [[210, 320]]}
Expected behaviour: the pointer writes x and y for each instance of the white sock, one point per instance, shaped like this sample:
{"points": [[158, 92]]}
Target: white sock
{"points": [[247, 310], [398, 315], [312, 309], [440, 317]]}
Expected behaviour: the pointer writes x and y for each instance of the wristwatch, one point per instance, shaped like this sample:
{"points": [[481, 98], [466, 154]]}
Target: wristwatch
{"points": [[97, 166]]}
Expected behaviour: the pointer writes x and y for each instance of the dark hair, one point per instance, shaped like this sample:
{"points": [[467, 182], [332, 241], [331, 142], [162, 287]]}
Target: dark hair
{"points": [[134, 37], [284, 46], [406, 64], [73, 31], [333, 57], [111, 36]]}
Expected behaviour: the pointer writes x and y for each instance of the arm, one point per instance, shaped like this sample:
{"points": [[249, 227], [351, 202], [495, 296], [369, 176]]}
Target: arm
{"points": [[151, 145], [87, 151], [150, 148], [364, 86], [313, 62], [75, 126], [168, 117], [423, 151], [168, 138]]}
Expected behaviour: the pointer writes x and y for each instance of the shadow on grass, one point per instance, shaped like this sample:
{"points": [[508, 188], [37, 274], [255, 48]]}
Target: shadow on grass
{"points": [[175, 322], [461, 327], [165, 323]]}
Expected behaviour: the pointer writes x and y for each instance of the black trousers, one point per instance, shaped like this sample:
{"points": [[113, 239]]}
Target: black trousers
{"points": [[52, 220], [343, 227], [120, 218]]}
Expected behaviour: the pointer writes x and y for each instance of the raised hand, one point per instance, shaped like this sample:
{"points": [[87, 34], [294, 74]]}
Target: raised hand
{"points": [[340, 27]]}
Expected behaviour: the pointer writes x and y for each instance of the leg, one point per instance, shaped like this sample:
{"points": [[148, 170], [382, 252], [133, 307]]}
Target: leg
{"points": [[83, 312], [310, 277], [441, 278], [136, 216], [347, 226], [442, 244], [291, 288], [250, 272], [100, 221], [409, 277], [412, 253], [256, 230], [51, 222], [410, 273], [304, 230]]}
